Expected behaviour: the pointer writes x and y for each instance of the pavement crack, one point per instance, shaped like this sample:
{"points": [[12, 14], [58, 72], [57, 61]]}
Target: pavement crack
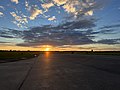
{"points": [[21, 84]]}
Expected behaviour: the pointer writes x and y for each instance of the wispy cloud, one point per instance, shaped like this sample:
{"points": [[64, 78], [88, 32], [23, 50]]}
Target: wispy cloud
{"points": [[3, 42], [111, 26], [109, 41]]}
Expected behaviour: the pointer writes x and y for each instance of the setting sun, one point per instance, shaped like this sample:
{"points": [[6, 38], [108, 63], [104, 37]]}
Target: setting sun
{"points": [[47, 49]]}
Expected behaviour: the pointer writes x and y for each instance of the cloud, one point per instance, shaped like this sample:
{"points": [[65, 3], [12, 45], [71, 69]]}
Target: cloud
{"points": [[64, 34], [2, 7], [60, 2], [110, 26], [46, 6], [3, 42], [68, 33], [80, 24], [72, 8], [109, 41], [15, 1], [90, 13], [7, 36], [75, 8], [19, 20], [1, 14], [52, 18], [34, 13], [69, 8], [10, 33], [109, 29]]}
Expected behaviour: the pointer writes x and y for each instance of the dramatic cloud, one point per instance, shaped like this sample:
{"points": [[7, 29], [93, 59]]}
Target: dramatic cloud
{"points": [[65, 34], [68, 33]]}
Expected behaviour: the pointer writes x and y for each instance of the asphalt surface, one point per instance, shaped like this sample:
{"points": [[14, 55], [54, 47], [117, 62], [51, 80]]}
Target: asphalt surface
{"points": [[62, 72]]}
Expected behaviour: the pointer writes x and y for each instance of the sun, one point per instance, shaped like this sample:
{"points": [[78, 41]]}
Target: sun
{"points": [[47, 49]]}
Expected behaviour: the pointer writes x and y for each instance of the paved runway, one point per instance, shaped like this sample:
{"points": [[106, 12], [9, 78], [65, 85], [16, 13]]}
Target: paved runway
{"points": [[62, 72]]}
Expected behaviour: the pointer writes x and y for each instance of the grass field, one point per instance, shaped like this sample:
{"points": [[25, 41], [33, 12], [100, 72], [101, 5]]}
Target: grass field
{"points": [[9, 56]]}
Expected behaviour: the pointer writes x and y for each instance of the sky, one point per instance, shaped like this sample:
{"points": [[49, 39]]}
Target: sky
{"points": [[60, 25]]}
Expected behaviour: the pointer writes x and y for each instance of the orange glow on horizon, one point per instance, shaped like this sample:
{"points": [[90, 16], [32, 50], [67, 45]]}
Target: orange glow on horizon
{"points": [[98, 47], [47, 49]]}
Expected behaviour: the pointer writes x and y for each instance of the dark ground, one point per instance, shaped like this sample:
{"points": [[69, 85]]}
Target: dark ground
{"points": [[74, 72], [11, 56], [62, 72]]}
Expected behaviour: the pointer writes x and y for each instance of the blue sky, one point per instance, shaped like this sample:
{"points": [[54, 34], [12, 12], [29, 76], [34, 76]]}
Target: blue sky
{"points": [[60, 24]]}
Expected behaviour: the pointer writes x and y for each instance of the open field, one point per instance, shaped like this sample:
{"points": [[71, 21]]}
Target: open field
{"points": [[9, 56]]}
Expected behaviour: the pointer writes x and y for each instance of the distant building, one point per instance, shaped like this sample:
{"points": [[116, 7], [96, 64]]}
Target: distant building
{"points": [[92, 50]]}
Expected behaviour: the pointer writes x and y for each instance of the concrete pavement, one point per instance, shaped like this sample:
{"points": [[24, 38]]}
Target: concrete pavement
{"points": [[63, 72], [12, 74]]}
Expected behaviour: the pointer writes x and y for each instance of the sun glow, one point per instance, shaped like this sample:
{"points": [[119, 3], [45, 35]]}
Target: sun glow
{"points": [[47, 49]]}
